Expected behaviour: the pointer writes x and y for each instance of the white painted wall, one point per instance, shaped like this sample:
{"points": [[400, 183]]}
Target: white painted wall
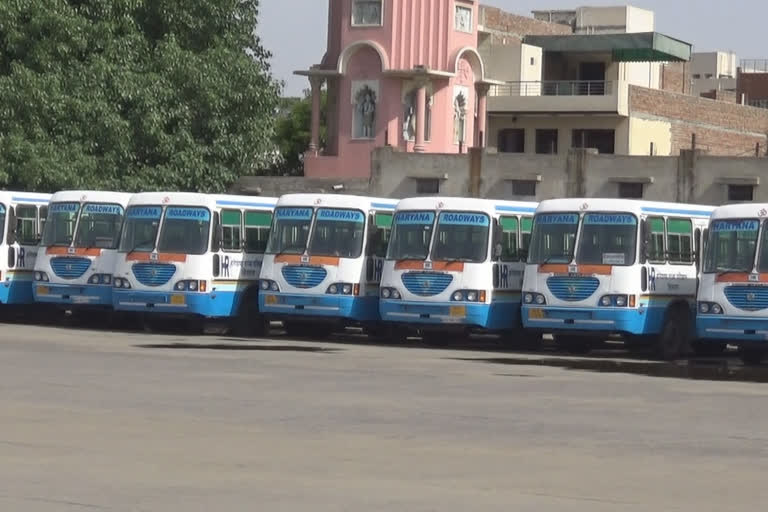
{"points": [[640, 20], [614, 20], [643, 132]]}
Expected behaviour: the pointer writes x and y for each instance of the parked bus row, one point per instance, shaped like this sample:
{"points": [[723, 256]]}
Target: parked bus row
{"points": [[673, 276]]}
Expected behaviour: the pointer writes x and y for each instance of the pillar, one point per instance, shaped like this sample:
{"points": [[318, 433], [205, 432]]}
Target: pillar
{"points": [[316, 82], [481, 135], [421, 117]]}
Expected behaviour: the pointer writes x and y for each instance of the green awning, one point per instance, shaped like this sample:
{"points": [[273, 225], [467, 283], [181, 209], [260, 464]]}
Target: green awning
{"points": [[638, 47]]}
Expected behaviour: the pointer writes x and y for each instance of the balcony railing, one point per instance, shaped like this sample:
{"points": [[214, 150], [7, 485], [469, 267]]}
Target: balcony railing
{"points": [[554, 88], [754, 66]]}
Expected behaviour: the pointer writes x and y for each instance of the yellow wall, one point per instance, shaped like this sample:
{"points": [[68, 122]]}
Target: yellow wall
{"points": [[644, 131]]}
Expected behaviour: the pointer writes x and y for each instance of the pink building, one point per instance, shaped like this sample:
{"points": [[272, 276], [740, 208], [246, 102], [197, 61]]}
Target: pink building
{"points": [[402, 73]]}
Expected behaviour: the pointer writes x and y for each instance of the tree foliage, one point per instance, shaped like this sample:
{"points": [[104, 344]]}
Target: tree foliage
{"points": [[133, 94], [293, 132]]}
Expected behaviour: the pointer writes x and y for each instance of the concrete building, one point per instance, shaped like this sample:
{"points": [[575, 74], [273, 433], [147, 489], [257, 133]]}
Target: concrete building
{"points": [[400, 73], [752, 83], [600, 20], [713, 75]]}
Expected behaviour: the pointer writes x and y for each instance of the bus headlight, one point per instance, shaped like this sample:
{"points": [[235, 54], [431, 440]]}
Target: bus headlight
{"points": [[346, 289], [340, 289], [41, 276], [269, 285], [264, 284], [333, 289], [710, 308], [619, 301], [100, 279], [119, 282], [458, 296], [528, 298], [606, 301], [179, 286], [389, 293], [468, 296], [540, 300]]}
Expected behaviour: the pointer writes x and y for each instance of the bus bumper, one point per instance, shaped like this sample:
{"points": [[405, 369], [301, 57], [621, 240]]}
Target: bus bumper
{"points": [[284, 305], [494, 316], [725, 328], [73, 294], [16, 290], [212, 304], [630, 321]]}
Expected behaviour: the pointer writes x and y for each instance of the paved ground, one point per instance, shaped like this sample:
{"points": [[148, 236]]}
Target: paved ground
{"points": [[113, 421]]}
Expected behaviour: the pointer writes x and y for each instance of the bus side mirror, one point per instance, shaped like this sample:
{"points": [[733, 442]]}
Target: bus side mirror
{"points": [[498, 233], [645, 240], [523, 254], [12, 227], [497, 251], [218, 233]]}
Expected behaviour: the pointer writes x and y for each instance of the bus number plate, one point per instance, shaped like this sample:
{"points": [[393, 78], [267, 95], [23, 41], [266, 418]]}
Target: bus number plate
{"points": [[458, 311], [178, 300], [536, 314]]}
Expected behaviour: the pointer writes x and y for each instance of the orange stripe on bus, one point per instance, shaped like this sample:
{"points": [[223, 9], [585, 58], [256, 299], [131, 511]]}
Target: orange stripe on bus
{"points": [[164, 257], [295, 259], [741, 277], [600, 270], [445, 266], [65, 251]]}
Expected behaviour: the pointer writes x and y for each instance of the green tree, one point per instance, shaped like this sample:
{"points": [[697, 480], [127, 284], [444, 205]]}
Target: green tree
{"points": [[133, 94], [293, 132]]}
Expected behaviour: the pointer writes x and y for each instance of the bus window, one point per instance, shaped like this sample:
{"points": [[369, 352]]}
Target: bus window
{"points": [[553, 238], [26, 224], [679, 240], [656, 249], [338, 232], [99, 226], [411, 235], [290, 231], [608, 239], [526, 227], [257, 231], [60, 227], [382, 225], [509, 237], [185, 230], [231, 221]]}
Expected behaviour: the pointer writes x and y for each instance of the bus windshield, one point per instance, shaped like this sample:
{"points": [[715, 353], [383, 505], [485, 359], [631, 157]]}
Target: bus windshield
{"points": [[338, 232], [553, 238], [607, 239], [411, 235], [185, 230], [60, 225], [290, 231], [140, 229], [2, 222], [99, 226], [461, 236], [731, 246]]}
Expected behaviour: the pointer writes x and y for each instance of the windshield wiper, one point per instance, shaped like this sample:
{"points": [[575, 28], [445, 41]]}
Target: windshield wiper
{"points": [[554, 256], [457, 260], [136, 246], [723, 271]]}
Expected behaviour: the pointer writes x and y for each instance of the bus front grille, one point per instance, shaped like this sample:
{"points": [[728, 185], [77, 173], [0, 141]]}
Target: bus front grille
{"points": [[747, 298], [426, 284], [70, 268], [303, 277], [153, 274], [572, 289]]}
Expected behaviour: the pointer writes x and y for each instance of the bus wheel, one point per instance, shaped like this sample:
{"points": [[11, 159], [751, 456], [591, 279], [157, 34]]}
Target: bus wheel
{"points": [[573, 344], [523, 340], [674, 335], [304, 330], [248, 323], [708, 348], [751, 356]]}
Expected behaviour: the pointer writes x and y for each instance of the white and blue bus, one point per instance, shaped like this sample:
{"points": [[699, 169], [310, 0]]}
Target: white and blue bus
{"points": [[78, 250], [733, 292], [323, 262], [456, 264], [602, 268], [22, 217], [193, 255]]}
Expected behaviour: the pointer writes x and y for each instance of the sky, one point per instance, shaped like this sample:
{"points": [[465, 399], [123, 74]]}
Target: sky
{"points": [[295, 30]]}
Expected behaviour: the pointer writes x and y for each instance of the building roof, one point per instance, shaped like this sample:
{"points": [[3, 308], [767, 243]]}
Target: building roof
{"points": [[637, 47]]}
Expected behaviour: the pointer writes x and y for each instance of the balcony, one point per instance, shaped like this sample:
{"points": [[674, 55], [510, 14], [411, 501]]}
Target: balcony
{"points": [[560, 96]]}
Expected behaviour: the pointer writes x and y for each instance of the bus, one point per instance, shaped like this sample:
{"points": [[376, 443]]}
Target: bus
{"points": [[323, 262], [78, 249], [22, 215], [604, 268], [733, 292], [197, 256], [455, 265]]}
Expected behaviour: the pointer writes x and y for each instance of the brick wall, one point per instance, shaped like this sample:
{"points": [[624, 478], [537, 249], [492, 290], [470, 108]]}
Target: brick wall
{"points": [[753, 85], [721, 128], [676, 77], [501, 24]]}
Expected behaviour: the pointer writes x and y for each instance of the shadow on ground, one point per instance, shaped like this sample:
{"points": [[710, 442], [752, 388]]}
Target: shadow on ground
{"points": [[239, 346], [714, 369]]}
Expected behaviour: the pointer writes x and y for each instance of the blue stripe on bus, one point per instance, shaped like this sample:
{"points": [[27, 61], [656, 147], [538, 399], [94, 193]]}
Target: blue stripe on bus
{"points": [[516, 209], [29, 199], [243, 203], [383, 205], [702, 213]]}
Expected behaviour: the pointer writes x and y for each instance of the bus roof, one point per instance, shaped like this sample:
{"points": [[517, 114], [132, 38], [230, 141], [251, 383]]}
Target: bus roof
{"points": [[90, 196], [205, 200], [10, 197], [625, 205], [337, 201], [467, 203], [741, 211]]}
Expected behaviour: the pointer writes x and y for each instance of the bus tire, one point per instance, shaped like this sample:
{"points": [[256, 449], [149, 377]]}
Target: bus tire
{"points": [[751, 356], [248, 322], [524, 340], [673, 340], [573, 344]]}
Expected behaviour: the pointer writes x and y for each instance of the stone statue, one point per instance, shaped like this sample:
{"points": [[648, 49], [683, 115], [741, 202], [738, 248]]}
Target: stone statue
{"points": [[368, 111], [459, 115], [409, 126]]}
